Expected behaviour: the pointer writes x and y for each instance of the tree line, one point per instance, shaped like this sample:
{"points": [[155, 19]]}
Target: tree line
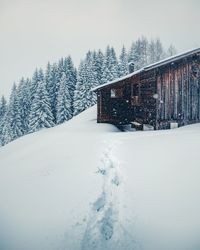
{"points": [[61, 91]]}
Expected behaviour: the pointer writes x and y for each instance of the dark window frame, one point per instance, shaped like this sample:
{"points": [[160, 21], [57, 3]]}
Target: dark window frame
{"points": [[116, 93], [135, 94]]}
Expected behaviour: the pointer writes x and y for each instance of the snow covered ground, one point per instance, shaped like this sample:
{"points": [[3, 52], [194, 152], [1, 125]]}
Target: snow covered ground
{"points": [[85, 186]]}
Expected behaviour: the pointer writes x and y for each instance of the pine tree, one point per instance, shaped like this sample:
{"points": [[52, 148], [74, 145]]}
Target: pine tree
{"points": [[151, 52], [144, 51], [34, 85], [40, 114], [98, 62], [71, 78], [159, 50], [110, 65], [64, 111], [106, 76], [24, 98], [134, 55], [80, 91], [84, 97], [3, 107], [139, 53], [123, 62], [171, 51], [6, 134], [113, 64], [52, 82], [14, 119], [155, 51], [92, 75], [3, 110], [40, 76], [61, 68], [1, 133]]}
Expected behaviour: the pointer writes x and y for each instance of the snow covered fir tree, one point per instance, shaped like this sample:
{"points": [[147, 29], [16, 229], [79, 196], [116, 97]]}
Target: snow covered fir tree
{"points": [[62, 91]]}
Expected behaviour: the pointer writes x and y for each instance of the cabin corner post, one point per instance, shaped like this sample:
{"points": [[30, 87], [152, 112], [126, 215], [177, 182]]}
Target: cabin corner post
{"points": [[99, 103], [157, 92]]}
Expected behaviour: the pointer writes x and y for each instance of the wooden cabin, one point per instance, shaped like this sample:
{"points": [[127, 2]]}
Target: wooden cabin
{"points": [[160, 95]]}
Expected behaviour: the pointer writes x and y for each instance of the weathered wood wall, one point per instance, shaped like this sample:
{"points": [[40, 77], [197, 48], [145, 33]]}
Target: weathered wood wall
{"points": [[113, 110], [178, 92], [145, 111]]}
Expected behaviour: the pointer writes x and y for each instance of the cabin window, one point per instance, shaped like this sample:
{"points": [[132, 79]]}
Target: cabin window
{"points": [[116, 93], [136, 89], [113, 93], [135, 94]]}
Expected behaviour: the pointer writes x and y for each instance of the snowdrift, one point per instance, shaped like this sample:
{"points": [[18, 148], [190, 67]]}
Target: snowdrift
{"points": [[84, 186]]}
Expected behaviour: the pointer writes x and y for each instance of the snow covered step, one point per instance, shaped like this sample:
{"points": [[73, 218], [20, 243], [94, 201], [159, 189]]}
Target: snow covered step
{"points": [[147, 127], [137, 125]]}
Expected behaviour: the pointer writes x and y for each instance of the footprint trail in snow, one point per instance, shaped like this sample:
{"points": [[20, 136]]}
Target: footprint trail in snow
{"points": [[103, 229]]}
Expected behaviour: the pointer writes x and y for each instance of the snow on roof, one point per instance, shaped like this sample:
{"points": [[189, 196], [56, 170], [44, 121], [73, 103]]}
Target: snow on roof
{"points": [[118, 79], [172, 58], [150, 66]]}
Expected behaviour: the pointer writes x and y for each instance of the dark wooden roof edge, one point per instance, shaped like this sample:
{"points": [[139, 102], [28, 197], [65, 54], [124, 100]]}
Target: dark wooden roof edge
{"points": [[149, 67]]}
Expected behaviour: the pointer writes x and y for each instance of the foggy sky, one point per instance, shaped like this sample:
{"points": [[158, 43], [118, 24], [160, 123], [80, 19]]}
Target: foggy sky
{"points": [[33, 32]]}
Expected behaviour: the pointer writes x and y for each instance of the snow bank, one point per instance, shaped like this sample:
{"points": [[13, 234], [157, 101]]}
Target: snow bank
{"points": [[84, 185]]}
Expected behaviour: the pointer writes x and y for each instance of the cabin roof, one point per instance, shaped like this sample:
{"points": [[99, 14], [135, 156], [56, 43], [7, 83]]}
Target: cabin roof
{"points": [[150, 66]]}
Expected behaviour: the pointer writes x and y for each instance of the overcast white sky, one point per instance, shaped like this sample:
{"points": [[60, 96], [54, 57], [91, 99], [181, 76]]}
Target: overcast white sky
{"points": [[33, 32]]}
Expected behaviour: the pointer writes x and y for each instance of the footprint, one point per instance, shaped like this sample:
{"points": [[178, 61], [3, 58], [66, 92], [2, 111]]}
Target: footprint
{"points": [[102, 171], [107, 225], [116, 180], [100, 202]]}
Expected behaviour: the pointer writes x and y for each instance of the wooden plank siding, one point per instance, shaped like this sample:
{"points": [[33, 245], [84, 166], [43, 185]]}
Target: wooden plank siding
{"points": [[112, 109], [178, 92]]}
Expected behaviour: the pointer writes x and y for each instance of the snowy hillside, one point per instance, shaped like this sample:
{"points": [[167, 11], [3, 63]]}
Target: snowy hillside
{"points": [[85, 186]]}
